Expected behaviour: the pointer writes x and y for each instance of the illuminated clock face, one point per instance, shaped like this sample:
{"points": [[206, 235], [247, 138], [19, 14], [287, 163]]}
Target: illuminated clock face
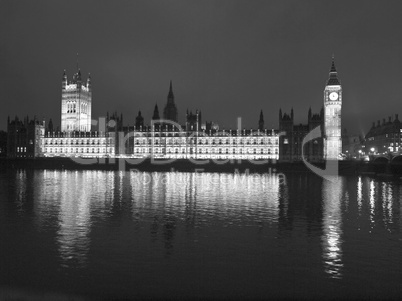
{"points": [[333, 96]]}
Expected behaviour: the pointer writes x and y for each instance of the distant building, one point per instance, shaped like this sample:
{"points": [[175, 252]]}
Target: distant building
{"points": [[352, 146], [209, 125], [24, 138], [76, 103], [384, 138], [291, 139], [3, 144], [193, 121]]}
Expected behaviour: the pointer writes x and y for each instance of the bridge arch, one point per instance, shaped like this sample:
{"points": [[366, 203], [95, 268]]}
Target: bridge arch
{"points": [[397, 159], [381, 159]]}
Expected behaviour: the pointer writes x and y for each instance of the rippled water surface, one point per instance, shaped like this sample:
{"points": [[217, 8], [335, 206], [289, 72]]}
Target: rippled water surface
{"points": [[178, 235]]}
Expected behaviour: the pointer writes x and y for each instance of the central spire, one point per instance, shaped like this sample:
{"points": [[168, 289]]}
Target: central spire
{"points": [[170, 95], [170, 111]]}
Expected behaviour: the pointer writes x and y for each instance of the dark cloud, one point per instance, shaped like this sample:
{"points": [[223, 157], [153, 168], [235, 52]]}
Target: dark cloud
{"points": [[227, 58]]}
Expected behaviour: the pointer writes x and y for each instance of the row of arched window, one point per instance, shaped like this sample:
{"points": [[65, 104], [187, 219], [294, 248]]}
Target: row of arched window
{"points": [[72, 108], [209, 150], [169, 141], [93, 141], [94, 150]]}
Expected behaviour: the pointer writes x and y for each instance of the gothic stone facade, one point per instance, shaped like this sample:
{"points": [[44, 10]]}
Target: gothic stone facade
{"points": [[292, 135], [24, 137]]}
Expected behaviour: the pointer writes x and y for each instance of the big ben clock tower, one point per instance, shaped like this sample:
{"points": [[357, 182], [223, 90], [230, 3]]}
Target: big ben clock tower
{"points": [[332, 113]]}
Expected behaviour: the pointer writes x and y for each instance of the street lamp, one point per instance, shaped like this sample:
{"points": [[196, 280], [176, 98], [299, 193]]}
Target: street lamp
{"points": [[360, 153], [372, 150]]}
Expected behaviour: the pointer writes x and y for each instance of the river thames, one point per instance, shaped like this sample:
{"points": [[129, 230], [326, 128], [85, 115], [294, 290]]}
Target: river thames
{"points": [[127, 235]]}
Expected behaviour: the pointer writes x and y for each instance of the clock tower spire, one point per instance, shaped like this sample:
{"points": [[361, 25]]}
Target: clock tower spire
{"points": [[332, 115], [333, 75]]}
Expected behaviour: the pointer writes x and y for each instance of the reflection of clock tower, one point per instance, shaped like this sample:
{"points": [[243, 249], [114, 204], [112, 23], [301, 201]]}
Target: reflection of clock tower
{"points": [[332, 107]]}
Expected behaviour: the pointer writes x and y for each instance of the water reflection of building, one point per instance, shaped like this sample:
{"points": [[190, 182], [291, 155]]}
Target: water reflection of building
{"points": [[67, 211], [378, 204], [74, 217], [300, 203], [171, 200], [332, 227], [384, 207], [359, 191], [47, 205]]}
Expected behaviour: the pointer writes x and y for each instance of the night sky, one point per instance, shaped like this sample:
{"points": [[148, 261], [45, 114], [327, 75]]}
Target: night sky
{"points": [[226, 58]]}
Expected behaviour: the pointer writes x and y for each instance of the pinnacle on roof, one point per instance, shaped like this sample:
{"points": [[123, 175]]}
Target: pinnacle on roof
{"points": [[170, 95]]}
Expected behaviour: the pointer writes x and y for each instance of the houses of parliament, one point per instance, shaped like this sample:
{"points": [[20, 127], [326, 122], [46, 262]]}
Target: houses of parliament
{"points": [[164, 138]]}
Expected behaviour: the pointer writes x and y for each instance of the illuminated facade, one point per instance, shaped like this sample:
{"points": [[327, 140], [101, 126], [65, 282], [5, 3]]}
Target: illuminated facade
{"points": [[332, 116], [162, 140], [76, 102], [225, 144], [78, 144], [166, 139], [164, 144]]}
